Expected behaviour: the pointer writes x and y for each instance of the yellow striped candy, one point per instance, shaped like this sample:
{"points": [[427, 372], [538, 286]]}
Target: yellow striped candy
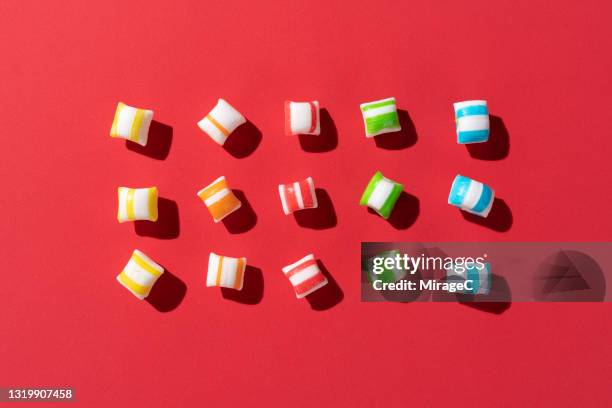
{"points": [[140, 274], [137, 204], [131, 124]]}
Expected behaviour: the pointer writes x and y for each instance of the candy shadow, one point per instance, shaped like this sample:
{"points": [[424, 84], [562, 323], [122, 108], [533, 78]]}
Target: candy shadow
{"points": [[500, 218], [405, 212], [405, 296], [329, 295], [167, 293], [243, 141], [158, 142], [403, 139], [569, 276], [326, 141], [252, 289], [322, 217], [497, 301], [243, 219], [498, 145], [167, 225]]}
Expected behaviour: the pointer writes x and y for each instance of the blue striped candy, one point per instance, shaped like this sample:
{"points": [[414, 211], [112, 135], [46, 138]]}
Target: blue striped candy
{"points": [[472, 121], [471, 196], [480, 277]]}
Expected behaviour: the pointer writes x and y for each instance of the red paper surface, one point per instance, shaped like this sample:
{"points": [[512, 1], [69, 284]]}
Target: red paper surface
{"points": [[544, 68]]}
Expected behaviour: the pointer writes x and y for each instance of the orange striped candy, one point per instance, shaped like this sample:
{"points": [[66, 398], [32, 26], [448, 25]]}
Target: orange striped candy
{"points": [[219, 199], [225, 271]]}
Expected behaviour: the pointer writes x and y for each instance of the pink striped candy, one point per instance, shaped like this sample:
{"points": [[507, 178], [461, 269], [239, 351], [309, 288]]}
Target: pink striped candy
{"points": [[298, 196], [302, 118], [305, 276]]}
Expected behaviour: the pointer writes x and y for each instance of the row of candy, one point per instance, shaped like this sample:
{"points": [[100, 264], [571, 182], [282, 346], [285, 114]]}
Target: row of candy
{"points": [[141, 273], [305, 276], [303, 118], [381, 195]]}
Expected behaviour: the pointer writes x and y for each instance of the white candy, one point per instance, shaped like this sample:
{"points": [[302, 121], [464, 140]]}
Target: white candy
{"points": [[221, 121], [302, 118], [219, 199], [140, 274], [131, 124], [472, 121], [225, 271], [137, 204], [380, 117], [478, 279], [471, 196], [305, 276]]}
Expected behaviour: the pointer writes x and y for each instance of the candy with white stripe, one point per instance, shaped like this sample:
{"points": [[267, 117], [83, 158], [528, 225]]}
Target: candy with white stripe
{"points": [[137, 204], [380, 117], [221, 121], [298, 195], [305, 276], [219, 199], [471, 196], [140, 274], [472, 121], [381, 194], [131, 124], [225, 271], [302, 118], [477, 277], [388, 274]]}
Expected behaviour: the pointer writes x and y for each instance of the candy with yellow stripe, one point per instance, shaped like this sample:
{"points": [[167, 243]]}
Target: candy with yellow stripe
{"points": [[137, 204], [221, 121], [131, 124], [140, 274], [219, 199], [225, 271]]}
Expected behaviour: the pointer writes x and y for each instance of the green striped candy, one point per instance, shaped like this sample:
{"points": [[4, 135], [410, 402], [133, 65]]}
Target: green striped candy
{"points": [[388, 275], [381, 194], [380, 117]]}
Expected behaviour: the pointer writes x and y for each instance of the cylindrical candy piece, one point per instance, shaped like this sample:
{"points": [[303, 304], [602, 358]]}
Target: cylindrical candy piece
{"points": [[225, 271], [298, 196], [219, 199], [471, 196], [472, 121], [137, 204], [380, 117], [140, 274], [302, 118], [305, 276], [221, 121], [480, 277], [388, 275], [131, 124], [381, 194]]}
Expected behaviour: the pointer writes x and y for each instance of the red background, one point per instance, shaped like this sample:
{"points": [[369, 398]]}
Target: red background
{"points": [[544, 68]]}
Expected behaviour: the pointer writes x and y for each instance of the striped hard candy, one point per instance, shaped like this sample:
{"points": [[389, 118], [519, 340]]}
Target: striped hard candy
{"points": [[381, 194], [472, 121], [471, 196], [221, 121]]}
